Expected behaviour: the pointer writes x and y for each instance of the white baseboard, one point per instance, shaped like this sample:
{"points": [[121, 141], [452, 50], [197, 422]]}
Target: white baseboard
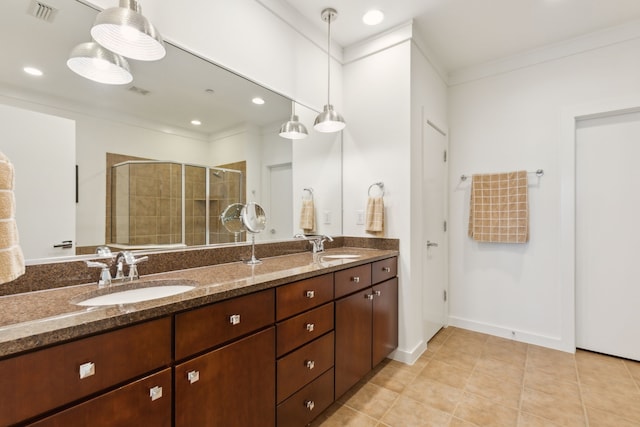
{"points": [[555, 343], [409, 357]]}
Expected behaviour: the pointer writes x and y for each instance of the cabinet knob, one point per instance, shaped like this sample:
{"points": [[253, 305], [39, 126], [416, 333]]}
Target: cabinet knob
{"points": [[386, 269], [155, 393], [310, 327], [193, 376], [355, 279], [310, 364], [368, 296], [310, 294], [87, 369], [234, 319], [377, 293], [309, 404]]}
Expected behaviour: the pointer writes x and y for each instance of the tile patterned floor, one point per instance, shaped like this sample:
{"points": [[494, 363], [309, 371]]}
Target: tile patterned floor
{"points": [[468, 379]]}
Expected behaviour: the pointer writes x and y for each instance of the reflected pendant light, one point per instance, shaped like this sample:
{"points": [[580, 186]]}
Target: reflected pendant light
{"points": [[329, 120], [94, 62], [293, 129], [125, 31]]}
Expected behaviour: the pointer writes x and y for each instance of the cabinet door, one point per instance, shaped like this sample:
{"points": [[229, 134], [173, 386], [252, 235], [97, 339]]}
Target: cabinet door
{"points": [[385, 319], [144, 402], [231, 386], [353, 339]]}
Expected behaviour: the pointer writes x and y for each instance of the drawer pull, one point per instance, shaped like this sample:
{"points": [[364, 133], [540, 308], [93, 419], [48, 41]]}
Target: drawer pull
{"points": [[193, 376], [355, 279], [310, 327], [234, 319], [310, 364], [368, 296], [155, 393], [386, 269], [377, 293], [310, 294], [87, 369], [309, 404]]}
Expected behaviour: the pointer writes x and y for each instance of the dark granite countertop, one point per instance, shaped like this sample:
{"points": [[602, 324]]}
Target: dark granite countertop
{"points": [[41, 318]]}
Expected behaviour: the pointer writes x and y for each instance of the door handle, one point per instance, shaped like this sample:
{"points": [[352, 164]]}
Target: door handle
{"points": [[66, 244], [431, 244]]}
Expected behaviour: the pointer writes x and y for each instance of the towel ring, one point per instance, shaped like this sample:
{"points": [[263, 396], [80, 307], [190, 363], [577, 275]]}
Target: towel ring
{"points": [[380, 186], [308, 190]]}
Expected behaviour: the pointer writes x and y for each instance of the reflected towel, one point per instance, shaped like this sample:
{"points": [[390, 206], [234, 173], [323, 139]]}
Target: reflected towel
{"points": [[307, 216], [374, 216], [11, 258], [499, 208]]}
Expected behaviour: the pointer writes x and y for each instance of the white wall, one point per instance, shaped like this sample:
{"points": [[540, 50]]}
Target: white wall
{"points": [[511, 121]]}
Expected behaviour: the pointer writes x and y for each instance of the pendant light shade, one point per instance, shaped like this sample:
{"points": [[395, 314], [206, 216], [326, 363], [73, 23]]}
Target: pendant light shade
{"points": [[94, 62], [329, 120], [125, 31], [293, 129]]}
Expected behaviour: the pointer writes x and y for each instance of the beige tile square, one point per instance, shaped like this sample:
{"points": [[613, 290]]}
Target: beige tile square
{"points": [[602, 383], [457, 357], [393, 376], [549, 383], [596, 366], [552, 407], [599, 418], [501, 369], [446, 374], [371, 400], [626, 406], [529, 420], [561, 365], [434, 394], [483, 412], [342, 416], [471, 344], [512, 352], [495, 389], [407, 412]]}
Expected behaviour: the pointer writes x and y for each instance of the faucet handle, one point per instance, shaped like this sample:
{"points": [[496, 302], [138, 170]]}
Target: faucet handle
{"points": [[105, 274]]}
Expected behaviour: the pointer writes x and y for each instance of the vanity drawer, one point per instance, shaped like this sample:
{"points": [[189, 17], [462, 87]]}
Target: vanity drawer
{"points": [[146, 401], [301, 408], [304, 365], [303, 295], [384, 269], [209, 326], [352, 280], [298, 330], [36, 382]]}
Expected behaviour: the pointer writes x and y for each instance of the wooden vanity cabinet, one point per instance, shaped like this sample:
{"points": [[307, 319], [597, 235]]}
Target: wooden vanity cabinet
{"points": [[41, 381], [366, 325], [228, 374]]}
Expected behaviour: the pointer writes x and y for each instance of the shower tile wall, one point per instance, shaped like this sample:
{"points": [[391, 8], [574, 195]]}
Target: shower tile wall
{"points": [[195, 213], [225, 188]]}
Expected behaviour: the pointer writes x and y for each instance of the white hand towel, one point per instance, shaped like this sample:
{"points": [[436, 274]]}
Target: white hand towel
{"points": [[11, 258], [307, 216], [374, 216]]}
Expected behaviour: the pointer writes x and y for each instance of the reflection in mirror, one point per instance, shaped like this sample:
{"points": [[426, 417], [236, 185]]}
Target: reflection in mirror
{"points": [[254, 220], [79, 129], [231, 219]]}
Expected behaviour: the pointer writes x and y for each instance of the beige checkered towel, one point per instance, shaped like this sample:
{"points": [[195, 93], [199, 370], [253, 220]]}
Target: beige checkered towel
{"points": [[11, 258], [374, 216], [307, 216], [499, 208]]}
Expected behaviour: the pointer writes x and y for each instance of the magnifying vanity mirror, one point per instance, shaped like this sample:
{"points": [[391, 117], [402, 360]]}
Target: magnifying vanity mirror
{"points": [[254, 220], [64, 134]]}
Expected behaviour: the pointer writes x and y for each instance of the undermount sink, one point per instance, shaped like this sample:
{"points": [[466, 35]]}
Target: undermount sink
{"points": [[135, 292], [341, 256]]}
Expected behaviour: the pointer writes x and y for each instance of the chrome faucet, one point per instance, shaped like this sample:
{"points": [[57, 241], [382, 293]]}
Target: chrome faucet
{"points": [[317, 241], [132, 262]]}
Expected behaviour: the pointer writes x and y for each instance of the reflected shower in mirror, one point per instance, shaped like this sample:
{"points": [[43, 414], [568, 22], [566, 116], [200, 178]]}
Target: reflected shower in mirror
{"points": [[181, 109]]}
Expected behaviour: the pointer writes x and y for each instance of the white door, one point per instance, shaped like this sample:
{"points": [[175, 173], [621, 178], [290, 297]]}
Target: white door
{"points": [[434, 172], [42, 150], [608, 235], [280, 214]]}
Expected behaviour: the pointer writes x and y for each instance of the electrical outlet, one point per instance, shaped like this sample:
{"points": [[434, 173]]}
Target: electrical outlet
{"points": [[360, 217]]}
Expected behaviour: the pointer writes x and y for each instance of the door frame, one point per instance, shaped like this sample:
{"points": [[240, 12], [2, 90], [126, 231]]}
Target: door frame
{"points": [[567, 236]]}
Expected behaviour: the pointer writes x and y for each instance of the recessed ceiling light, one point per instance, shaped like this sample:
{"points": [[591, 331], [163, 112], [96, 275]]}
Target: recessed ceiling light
{"points": [[32, 71], [373, 17], [196, 122], [257, 100]]}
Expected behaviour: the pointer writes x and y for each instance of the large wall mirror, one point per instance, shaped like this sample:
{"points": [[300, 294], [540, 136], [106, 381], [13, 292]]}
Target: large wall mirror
{"points": [[66, 134]]}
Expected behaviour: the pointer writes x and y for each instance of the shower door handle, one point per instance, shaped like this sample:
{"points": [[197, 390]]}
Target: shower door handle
{"points": [[66, 244]]}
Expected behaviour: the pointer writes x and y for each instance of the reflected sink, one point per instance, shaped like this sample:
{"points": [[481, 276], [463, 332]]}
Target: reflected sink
{"points": [[135, 292], [341, 256]]}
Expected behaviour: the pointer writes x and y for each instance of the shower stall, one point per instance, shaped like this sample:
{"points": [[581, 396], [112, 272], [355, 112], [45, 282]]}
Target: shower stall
{"points": [[169, 204]]}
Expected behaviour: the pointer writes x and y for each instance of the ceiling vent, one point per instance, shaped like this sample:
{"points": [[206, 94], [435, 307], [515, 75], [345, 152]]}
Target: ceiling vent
{"points": [[139, 90], [42, 11]]}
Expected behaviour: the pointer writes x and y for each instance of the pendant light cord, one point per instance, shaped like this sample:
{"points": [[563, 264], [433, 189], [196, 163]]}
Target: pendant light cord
{"points": [[329, 60]]}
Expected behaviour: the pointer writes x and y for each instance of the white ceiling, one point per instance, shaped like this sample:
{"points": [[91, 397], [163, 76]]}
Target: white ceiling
{"points": [[463, 33]]}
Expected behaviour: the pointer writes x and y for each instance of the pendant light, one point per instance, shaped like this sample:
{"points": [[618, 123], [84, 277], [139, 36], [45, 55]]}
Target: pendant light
{"points": [[125, 31], [329, 120], [293, 129], [94, 62]]}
